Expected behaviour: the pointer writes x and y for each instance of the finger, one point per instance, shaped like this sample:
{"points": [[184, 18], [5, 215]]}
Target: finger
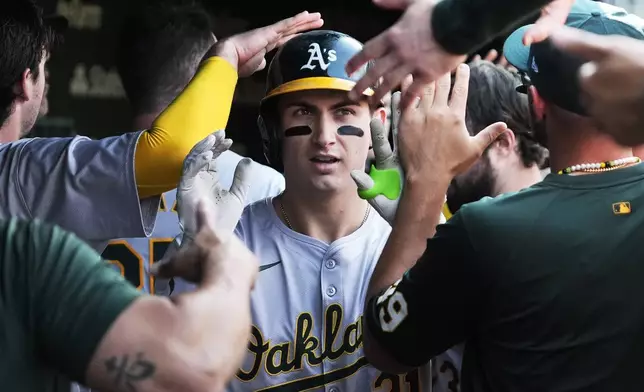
{"points": [[375, 48], [586, 45], [241, 180], [458, 100], [410, 97], [392, 4], [193, 165], [552, 17], [487, 136], [206, 215], [409, 79], [362, 180], [172, 249], [476, 58], [381, 147], [372, 76], [177, 264], [427, 98], [395, 118], [304, 26], [289, 23], [491, 55], [503, 62], [391, 79], [220, 147], [443, 86], [204, 145]]}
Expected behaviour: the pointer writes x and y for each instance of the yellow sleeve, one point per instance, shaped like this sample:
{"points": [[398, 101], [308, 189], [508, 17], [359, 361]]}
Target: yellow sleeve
{"points": [[201, 109], [446, 212]]}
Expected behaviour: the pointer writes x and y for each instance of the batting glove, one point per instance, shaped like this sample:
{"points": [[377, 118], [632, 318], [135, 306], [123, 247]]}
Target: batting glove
{"points": [[383, 185], [200, 180]]}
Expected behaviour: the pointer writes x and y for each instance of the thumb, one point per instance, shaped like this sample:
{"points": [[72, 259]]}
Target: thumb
{"points": [[392, 4], [206, 218], [583, 44], [362, 180], [487, 136], [241, 180]]}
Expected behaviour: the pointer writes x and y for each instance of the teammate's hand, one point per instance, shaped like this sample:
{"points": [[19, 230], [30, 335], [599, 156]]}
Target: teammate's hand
{"points": [[214, 253], [383, 185], [552, 17], [407, 47], [433, 139], [612, 81], [246, 51], [494, 57]]}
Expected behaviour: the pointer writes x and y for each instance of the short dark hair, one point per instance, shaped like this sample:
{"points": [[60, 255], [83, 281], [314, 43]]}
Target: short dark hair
{"points": [[24, 40], [160, 47], [492, 98]]}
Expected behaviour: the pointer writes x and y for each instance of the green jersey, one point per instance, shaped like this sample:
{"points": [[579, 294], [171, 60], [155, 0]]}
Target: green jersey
{"points": [[57, 300], [544, 286]]}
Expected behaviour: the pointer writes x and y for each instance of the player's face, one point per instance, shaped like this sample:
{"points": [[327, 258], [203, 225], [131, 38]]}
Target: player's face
{"points": [[474, 184], [325, 137]]}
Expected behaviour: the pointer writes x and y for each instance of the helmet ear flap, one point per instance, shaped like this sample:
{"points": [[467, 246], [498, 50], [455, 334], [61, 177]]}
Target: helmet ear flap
{"points": [[271, 143]]}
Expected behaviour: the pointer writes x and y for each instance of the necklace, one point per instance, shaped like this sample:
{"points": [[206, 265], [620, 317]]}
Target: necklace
{"points": [[288, 222], [601, 166]]}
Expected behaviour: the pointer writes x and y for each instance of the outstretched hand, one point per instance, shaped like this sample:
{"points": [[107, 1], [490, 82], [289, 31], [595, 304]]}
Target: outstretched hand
{"points": [[433, 139], [247, 50]]}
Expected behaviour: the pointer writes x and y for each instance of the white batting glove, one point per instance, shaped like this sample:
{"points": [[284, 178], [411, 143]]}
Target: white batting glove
{"points": [[200, 180], [383, 185]]}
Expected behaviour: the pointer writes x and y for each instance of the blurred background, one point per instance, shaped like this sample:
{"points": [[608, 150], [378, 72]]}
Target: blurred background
{"points": [[86, 96]]}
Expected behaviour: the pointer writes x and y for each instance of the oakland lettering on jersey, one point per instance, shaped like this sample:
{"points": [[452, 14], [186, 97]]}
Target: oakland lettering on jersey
{"points": [[288, 356]]}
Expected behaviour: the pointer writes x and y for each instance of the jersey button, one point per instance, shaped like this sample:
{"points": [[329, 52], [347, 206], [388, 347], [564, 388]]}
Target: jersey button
{"points": [[330, 264], [334, 389], [331, 290]]}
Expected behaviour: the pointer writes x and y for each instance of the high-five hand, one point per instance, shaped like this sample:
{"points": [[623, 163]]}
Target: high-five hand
{"points": [[246, 51], [433, 139], [383, 185]]}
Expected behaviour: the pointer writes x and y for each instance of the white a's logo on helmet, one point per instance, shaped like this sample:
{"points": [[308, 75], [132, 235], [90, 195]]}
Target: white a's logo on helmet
{"points": [[317, 56]]}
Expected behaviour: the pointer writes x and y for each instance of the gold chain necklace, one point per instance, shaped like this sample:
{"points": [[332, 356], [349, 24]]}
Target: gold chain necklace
{"points": [[288, 222]]}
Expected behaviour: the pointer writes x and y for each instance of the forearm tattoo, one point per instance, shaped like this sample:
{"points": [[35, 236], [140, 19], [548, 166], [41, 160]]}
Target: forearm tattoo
{"points": [[127, 371]]}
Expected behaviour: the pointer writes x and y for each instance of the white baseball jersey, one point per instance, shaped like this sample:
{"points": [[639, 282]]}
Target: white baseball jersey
{"points": [[447, 370], [85, 186], [307, 309], [133, 257]]}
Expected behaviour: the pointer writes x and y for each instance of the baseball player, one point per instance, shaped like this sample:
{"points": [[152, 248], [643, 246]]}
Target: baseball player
{"points": [[318, 241], [109, 188], [159, 52]]}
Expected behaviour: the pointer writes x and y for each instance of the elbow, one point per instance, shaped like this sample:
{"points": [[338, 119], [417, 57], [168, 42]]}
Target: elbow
{"points": [[379, 358]]}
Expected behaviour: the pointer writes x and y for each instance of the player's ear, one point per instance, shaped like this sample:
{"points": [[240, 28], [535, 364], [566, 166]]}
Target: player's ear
{"points": [[380, 114], [537, 103], [23, 88]]}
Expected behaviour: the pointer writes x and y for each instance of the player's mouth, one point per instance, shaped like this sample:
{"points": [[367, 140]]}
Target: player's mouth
{"points": [[325, 163]]}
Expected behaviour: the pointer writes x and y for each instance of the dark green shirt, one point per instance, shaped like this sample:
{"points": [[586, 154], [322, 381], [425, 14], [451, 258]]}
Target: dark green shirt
{"points": [[544, 286], [57, 300], [463, 26]]}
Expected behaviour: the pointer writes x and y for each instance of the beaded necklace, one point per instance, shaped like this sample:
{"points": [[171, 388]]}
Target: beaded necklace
{"points": [[601, 166]]}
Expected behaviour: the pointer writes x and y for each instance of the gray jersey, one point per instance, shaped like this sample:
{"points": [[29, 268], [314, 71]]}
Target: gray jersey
{"points": [[85, 186], [133, 257], [307, 309]]}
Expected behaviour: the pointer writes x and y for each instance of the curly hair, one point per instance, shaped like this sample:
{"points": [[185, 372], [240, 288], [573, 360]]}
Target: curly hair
{"points": [[492, 98]]}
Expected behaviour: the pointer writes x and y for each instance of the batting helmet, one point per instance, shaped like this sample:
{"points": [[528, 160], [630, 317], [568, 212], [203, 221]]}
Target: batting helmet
{"points": [[314, 60]]}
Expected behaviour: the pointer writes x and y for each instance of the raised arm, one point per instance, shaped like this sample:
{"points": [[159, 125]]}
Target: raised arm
{"points": [[204, 105], [97, 329]]}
